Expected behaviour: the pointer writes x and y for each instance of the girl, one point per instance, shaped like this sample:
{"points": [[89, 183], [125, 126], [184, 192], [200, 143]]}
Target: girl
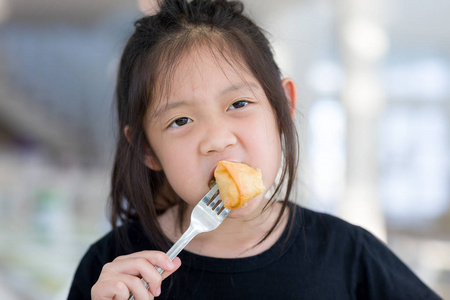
{"points": [[198, 84]]}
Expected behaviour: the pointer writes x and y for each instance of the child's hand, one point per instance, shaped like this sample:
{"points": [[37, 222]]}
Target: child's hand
{"points": [[122, 276]]}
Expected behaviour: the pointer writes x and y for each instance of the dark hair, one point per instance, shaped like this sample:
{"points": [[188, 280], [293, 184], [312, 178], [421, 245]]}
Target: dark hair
{"points": [[152, 53]]}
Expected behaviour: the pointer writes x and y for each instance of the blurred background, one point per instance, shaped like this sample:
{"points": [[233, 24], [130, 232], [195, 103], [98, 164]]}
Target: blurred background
{"points": [[374, 121]]}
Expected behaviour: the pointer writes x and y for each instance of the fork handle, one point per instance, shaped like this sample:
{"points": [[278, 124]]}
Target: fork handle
{"points": [[179, 245]]}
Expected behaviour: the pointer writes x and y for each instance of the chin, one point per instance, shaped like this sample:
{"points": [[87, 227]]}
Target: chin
{"points": [[251, 209]]}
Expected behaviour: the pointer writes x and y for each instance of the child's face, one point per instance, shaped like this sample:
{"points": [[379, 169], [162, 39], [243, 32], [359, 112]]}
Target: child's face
{"points": [[214, 111]]}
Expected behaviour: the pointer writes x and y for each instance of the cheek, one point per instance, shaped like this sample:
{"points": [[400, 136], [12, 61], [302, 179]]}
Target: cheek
{"points": [[265, 147], [272, 165], [270, 134], [181, 169]]}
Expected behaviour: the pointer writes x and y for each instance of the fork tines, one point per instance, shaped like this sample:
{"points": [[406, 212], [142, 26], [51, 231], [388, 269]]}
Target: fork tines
{"points": [[210, 195], [213, 201]]}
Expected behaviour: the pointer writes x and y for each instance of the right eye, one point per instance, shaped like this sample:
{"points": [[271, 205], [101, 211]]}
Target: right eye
{"points": [[239, 104], [180, 122]]}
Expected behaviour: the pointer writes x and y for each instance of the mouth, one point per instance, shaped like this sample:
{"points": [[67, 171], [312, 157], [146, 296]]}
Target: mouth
{"points": [[212, 182]]}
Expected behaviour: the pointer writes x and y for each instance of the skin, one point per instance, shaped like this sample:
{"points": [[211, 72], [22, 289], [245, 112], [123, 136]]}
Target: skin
{"points": [[214, 111]]}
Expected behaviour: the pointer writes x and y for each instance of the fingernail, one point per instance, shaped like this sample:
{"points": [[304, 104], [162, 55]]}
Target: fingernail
{"points": [[170, 265], [158, 292]]}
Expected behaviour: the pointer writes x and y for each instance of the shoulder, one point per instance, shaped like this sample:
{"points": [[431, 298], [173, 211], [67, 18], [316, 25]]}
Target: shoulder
{"points": [[123, 240], [326, 224], [109, 246], [102, 251], [363, 260], [333, 237], [90, 266], [336, 230]]}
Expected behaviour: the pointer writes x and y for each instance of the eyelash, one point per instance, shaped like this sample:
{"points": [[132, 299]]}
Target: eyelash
{"points": [[186, 120], [245, 102], [174, 123]]}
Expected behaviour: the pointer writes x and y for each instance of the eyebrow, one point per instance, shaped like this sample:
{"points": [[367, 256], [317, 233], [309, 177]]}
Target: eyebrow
{"points": [[169, 106], [239, 86]]}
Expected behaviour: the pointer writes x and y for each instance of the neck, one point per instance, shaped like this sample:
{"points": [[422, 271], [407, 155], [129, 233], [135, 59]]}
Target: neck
{"points": [[237, 236]]}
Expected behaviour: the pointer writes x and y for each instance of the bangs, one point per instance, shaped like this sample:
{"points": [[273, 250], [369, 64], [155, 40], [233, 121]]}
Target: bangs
{"points": [[161, 64]]}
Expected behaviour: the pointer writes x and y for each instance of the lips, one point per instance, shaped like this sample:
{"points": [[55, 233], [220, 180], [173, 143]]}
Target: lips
{"points": [[212, 179]]}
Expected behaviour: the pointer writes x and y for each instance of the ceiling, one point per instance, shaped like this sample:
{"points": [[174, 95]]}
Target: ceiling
{"points": [[411, 23], [82, 12]]}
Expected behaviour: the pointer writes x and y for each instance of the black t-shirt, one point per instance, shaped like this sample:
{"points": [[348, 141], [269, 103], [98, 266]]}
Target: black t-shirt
{"points": [[324, 257]]}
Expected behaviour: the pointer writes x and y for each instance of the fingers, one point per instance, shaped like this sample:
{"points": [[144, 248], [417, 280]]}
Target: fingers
{"points": [[176, 263], [144, 264], [119, 288], [122, 276]]}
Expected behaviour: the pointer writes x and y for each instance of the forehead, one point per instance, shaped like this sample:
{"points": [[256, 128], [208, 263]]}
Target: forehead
{"points": [[202, 67]]}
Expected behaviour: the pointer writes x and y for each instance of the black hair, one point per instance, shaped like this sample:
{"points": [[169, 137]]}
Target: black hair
{"points": [[150, 57]]}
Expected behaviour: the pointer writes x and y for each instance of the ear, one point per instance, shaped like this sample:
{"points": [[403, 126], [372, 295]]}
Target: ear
{"points": [[150, 160], [290, 90]]}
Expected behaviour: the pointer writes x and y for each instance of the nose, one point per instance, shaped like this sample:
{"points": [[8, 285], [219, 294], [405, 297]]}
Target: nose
{"points": [[217, 137]]}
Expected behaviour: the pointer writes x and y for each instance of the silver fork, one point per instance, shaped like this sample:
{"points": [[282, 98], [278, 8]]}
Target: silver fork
{"points": [[207, 215]]}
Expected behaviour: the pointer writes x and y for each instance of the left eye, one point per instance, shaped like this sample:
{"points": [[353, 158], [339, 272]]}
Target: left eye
{"points": [[180, 122], [238, 104]]}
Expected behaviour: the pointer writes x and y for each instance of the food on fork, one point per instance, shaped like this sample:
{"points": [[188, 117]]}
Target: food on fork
{"points": [[238, 183]]}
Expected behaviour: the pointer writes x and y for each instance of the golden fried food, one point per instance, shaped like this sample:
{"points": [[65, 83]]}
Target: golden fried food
{"points": [[238, 183]]}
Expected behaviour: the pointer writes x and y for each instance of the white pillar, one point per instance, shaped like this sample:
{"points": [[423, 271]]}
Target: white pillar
{"points": [[363, 44]]}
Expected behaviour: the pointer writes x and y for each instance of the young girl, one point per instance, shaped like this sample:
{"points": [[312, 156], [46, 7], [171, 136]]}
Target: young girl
{"points": [[198, 84]]}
